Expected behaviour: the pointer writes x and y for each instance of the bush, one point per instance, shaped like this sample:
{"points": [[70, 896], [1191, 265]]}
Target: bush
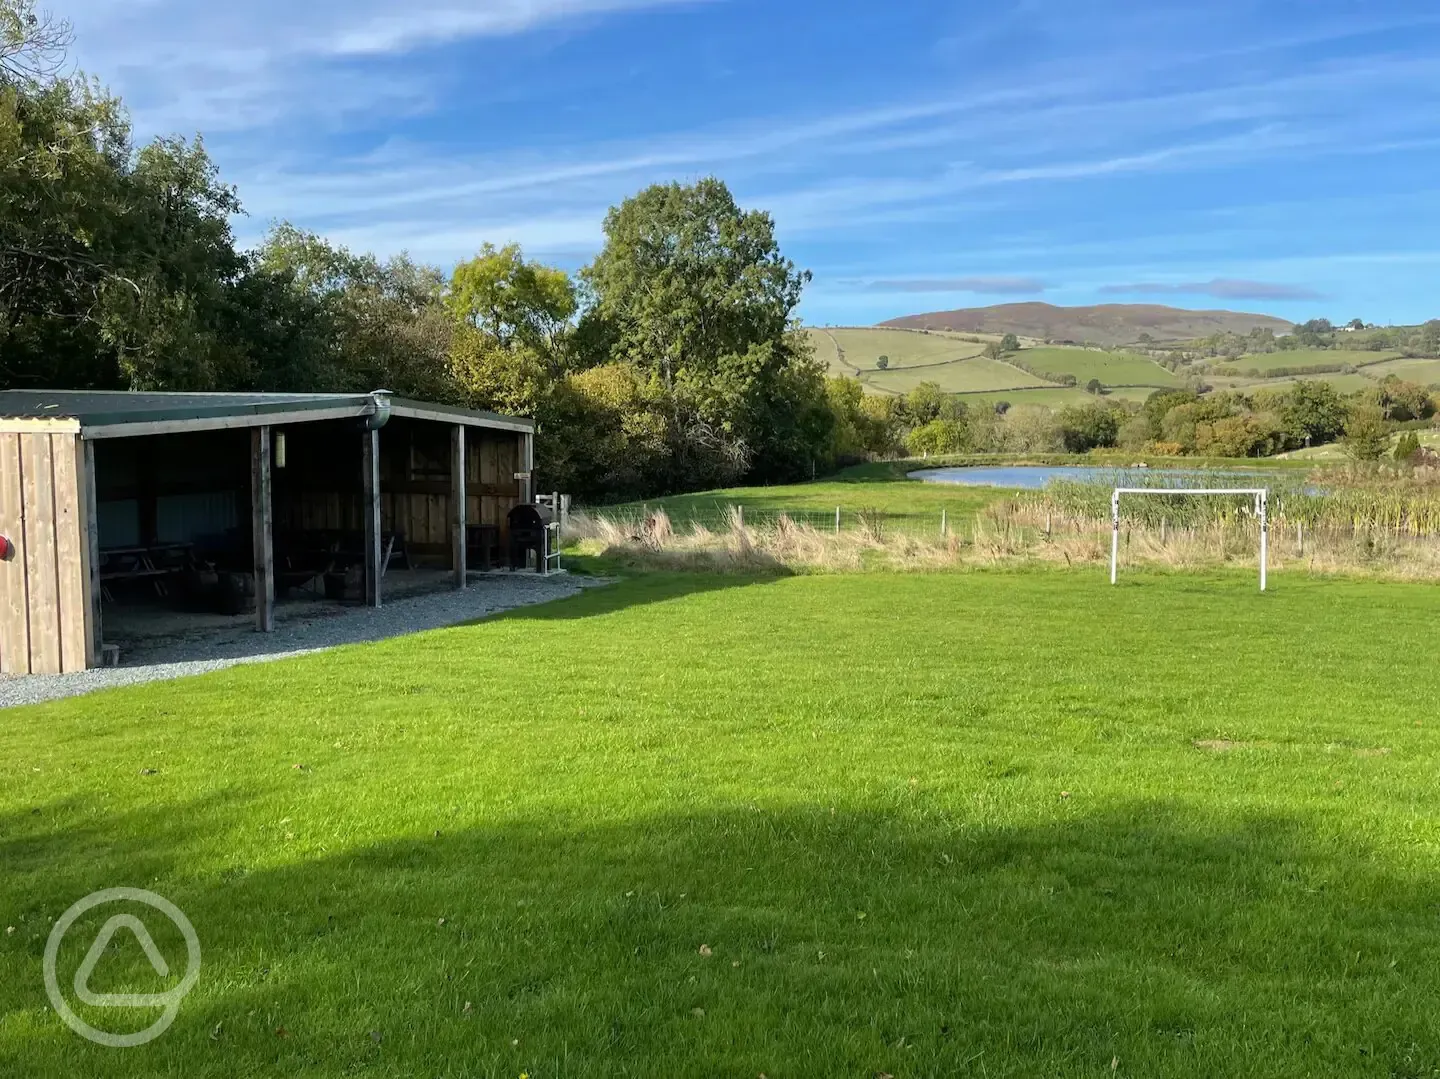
{"points": [[882, 362], [1366, 433], [1408, 446], [1086, 427], [937, 437]]}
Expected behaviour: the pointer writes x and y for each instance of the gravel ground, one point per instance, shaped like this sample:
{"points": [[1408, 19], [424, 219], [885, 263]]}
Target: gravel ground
{"points": [[309, 630]]}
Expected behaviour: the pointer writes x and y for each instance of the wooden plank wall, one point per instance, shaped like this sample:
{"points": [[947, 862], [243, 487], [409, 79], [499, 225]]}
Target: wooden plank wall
{"points": [[418, 507], [44, 586]]}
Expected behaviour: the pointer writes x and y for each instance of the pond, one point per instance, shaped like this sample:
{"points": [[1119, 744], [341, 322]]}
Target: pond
{"points": [[1034, 477]]}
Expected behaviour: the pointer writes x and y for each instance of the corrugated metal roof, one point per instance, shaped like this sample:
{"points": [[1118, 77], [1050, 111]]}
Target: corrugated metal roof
{"points": [[116, 408]]}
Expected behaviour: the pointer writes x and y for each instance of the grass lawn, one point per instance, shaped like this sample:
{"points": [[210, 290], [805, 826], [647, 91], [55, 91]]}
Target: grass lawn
{"points": [[856, 490], [998, 824], [1111, 368]]}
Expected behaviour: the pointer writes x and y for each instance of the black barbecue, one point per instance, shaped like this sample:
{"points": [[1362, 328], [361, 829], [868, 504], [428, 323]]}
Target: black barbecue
{"points": [[528, 522]]}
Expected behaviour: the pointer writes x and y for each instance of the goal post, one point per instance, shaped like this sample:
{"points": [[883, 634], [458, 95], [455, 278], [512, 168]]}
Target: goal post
{"points": [[1262, 506]]}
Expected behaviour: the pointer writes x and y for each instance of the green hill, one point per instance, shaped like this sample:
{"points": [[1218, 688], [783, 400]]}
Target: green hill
{"points": [[1111, 368]]}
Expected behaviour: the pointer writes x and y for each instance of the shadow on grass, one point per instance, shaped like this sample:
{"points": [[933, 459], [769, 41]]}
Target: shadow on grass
{"points": [[641, 585], [1145, 939]]}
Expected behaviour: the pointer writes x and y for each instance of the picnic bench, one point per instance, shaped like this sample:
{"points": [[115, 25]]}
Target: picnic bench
{"points": [[156, 563]]}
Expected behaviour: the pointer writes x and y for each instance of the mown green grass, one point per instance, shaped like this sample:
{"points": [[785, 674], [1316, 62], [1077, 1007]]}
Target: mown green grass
{"points": [[1111, 368], [930, 825], [854, 491]]}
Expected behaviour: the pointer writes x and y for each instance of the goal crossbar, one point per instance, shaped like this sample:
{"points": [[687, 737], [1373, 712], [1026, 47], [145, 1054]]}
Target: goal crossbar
{"points": [[1261, 495]]}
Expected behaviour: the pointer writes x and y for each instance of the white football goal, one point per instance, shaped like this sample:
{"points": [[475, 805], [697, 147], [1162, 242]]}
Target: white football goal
{"points": [[1262, 505]]}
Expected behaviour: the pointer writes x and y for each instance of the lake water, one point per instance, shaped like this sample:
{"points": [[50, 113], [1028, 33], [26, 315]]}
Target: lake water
{"points": [[1034, 477]]}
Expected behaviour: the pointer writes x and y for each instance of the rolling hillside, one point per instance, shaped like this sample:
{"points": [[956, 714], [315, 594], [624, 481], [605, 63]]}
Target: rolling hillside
{"points": [[1103, 324], [956, 365], [1111, 368]]}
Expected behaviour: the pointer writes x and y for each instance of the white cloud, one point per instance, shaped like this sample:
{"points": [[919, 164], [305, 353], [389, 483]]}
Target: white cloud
{"points": [[215, 65]]}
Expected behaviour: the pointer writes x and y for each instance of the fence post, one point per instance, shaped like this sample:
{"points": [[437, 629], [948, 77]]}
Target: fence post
{"points": [[837, 520], [739, 509], [1114, 534], [1300, 538], [942, 523], [1163, 524], [1047, 524]]}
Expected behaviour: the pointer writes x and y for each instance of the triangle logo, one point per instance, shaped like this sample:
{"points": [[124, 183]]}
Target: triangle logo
{"points": [[92, 957]]}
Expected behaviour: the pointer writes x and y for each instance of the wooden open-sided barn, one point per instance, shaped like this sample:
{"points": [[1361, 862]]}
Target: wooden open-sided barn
{"points": [[100, 491]]}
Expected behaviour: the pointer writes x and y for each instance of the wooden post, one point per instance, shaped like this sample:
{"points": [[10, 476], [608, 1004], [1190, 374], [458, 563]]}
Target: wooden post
{"points": [[527, 466], [458, 532], [370, 512], [1164, 524], [942, 523], [90, 523], [261, 518], [837, 520], [1300, 538]]}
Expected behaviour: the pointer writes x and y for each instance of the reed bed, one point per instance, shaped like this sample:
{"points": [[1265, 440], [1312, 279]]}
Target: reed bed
{"points": [[1013, 532], [1362, 501]]}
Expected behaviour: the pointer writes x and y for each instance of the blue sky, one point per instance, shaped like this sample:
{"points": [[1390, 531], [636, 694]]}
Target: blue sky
{"points": [[1270, 155]]}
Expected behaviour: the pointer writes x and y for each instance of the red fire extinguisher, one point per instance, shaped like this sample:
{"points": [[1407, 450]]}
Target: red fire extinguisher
{"points": [[7, 549]]}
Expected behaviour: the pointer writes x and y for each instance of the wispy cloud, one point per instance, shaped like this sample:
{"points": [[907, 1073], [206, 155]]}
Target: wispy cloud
{"points": [[233, 65], [1220, 288], [997, 285]]}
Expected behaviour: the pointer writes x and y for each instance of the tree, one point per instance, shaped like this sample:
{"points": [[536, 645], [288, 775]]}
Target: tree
{"points": [[1401, 400], [377, 323], [1094, 386], [882, 362], [514, 301], [1367, 435], [1009, 343], [1356, 324], [687, 278], [937, 437], [1314, 412], [1085, 427], [117, 267], [1407, 446], [32, 46], [694, 292]]}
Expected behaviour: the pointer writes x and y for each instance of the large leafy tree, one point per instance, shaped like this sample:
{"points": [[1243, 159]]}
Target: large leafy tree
{"points": [[356, 322], [514, 301], [1314, 412], [694, 293], [114, 263]]}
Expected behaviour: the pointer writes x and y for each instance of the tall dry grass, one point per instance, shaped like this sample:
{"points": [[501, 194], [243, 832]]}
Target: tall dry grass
{"points": [[1014, 533]]}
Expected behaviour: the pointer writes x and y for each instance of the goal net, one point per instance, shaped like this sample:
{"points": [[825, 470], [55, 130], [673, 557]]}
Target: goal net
{"points": [[1261, 495]]}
